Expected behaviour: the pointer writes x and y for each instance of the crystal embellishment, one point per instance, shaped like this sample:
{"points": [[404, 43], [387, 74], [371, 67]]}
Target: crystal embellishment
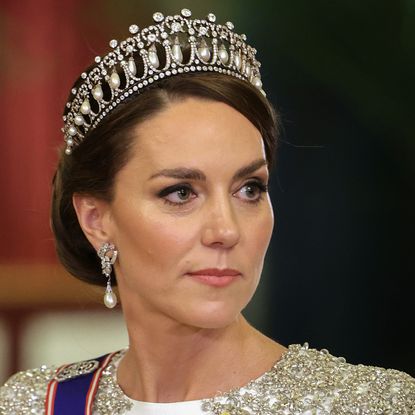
{"points": [[186, 13], [158, 17], [211, 17], [133, 29]]}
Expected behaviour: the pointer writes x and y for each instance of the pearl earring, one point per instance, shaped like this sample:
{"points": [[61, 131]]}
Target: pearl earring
{"points": [[108, 255]]}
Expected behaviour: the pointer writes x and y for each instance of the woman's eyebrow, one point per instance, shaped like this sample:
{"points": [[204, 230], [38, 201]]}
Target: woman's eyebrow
{"points": [[181, 173], [184, 173], [249, 169]]}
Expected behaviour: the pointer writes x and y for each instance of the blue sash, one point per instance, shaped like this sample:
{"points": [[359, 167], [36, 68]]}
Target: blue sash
{"points": [[72, 390]]}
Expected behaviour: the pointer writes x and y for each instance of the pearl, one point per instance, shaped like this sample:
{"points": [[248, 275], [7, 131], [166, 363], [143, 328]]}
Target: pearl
{"points": [[114, 80], [248, 70], [152, 57], [69, 142], [72, 130], [79, 119], [68, 151], [85, 107], [256, 81], [223, 55], [110, 299], [97, 93], [204, 52], [132, 67], [177, 51], [238, 61]]}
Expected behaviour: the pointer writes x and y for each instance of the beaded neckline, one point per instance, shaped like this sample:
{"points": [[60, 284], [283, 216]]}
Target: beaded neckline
{"points": [[111, 395], [303, 380]]}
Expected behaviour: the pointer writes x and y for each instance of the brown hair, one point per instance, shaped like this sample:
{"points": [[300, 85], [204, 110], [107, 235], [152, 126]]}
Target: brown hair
{"points": [[93, 165]]}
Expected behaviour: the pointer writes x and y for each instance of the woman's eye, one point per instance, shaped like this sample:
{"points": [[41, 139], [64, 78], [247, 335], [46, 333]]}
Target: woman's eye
{"points": [[177, 195], [252, 191]]}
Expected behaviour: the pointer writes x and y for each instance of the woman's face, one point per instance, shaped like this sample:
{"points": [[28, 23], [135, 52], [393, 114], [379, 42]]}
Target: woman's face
{"points": [[190, 217]]}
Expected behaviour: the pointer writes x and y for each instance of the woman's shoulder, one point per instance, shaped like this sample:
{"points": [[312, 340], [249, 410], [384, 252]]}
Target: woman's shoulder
{"points": [[333, 383], [305, 380], [25, 392]]}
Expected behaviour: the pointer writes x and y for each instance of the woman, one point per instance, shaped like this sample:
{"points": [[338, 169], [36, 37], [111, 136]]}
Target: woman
{"points": [[169, 140]]}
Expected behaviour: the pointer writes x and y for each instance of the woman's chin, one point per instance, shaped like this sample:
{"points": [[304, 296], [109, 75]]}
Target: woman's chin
{"points": [[213, 317]]}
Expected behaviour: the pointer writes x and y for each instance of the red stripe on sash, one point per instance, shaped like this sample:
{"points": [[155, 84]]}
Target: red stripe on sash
{"points": [[51, 393], [94, 384]]}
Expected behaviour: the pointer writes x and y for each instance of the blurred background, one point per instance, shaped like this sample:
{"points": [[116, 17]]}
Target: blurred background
{"points": [[339, 271]]}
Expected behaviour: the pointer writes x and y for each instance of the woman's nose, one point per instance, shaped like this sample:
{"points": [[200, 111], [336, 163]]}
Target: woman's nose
{"points": [[221, 228]]}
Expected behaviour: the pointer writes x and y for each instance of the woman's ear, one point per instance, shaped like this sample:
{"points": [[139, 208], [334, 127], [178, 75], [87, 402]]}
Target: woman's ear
{"points": [[93, 215]]}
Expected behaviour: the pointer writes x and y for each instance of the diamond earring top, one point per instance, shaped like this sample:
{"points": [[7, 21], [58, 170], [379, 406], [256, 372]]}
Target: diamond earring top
{"points": [[108, 255], [158, 51]]}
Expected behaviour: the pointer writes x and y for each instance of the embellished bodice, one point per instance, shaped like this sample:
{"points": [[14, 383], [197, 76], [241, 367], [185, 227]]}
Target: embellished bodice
{"points": [[304, 381]]}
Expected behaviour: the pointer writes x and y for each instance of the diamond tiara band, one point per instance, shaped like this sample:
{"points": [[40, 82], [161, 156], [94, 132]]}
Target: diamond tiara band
{"points": [[151, 54]]}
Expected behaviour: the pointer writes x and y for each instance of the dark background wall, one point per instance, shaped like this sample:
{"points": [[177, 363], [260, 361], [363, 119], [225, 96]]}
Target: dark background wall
{"points": [[341, 263]]}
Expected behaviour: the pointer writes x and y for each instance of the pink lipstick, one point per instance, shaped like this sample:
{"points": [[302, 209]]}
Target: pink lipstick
{"points": [[215, 277]]}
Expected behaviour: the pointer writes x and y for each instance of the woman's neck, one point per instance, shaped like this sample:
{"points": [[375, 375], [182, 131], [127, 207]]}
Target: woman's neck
{"points": [[182, 363]]}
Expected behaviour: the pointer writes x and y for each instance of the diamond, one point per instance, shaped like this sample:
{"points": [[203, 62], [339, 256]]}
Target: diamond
{"points": [[243, 36], [98, 59], [164, 35], [73, 91], [230, 25], [113, 43], [158, 17], [202, 31], [186, 13], [84, 75], [133, 29], [211, 17], [129, 49], [191, 31], [152, 37], [176, 27]]}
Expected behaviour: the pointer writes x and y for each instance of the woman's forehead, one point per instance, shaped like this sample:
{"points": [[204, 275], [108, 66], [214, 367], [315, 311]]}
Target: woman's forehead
{"points": [[194, 126]]}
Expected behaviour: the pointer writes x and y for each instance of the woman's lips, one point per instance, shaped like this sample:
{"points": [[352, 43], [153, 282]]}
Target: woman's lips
{"points": [[215, 277]]}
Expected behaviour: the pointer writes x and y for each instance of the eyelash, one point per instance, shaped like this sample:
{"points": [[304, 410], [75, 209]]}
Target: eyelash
{"points": [[258, 184]]}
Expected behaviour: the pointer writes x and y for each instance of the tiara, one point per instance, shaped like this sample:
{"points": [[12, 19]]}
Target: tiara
{"points": [[156, 52]]}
